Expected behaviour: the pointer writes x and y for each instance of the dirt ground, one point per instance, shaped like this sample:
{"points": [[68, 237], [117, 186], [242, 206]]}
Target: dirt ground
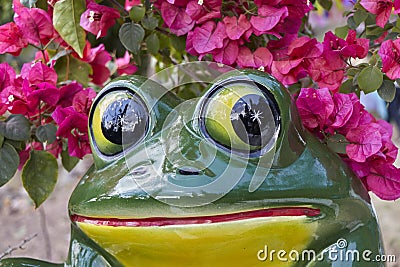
{"points": [[19, 220]]}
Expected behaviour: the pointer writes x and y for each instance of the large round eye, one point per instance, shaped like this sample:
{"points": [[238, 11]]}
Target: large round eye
{"points": [[241, 116], [120, 119]]}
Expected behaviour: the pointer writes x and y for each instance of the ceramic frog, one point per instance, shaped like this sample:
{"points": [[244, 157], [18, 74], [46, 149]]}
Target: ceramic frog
{"points": [[153, 196]]}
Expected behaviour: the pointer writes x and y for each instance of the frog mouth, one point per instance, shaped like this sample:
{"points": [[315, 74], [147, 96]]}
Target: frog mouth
{"points": [[166, 221]]}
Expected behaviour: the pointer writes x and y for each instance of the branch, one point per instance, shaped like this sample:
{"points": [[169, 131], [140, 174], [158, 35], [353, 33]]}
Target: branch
{"points": [[19, 246]]}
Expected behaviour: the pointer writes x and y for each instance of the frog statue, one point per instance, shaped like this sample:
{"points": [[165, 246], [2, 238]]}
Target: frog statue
{"points": [[229, 179]]}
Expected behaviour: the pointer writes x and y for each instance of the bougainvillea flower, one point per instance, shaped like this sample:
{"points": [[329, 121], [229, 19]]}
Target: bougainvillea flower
{"points": [[73, 126], [176, 18], [130, 3], [39, 72], [384, 181], [235, 27], [315, 106], [98, 58], [97, 19], [259, 58], [381, 8], [342, 111], [295, 64], [83, 100], [124, 65], [396, 6], [355, 47], [7, 76], [208, 37], [228, 54], [11, 39], [390, 54], [268, 17], [67, 93], [35, 24], [365, 140], [45, 92], [210, 9]]}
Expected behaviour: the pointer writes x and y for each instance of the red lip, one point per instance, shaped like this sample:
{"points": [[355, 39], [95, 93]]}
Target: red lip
{"points": [[160, 221]]}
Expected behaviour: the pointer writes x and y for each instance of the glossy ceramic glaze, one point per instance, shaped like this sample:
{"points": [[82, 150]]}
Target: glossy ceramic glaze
{"points": [[307, 199]]}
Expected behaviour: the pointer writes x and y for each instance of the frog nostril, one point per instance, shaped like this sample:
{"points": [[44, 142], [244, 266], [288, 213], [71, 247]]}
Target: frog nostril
{"points": [[185, 170]]}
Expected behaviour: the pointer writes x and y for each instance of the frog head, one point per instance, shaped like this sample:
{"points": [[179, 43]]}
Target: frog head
{"points": [[224, 178]]}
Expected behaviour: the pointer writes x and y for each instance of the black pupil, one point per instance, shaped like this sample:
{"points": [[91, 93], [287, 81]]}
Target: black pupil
{"points": [[124, 121], [252, 120]]}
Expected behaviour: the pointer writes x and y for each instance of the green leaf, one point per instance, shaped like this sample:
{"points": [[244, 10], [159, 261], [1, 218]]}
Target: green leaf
{"points": [[28, 3], [326, 4], [341, 32], [16, 127], [360, 16], [374, 30], [71, 68], [1, 140], [337, 143], [66, 18], [46, 133], [347, 87], [351, 23], [137, 13], [150, 23], [178, 42], [69, 162], [131, 36], [353, 72], [9, 161], [39, 175], [387, 91], [42, 4], [370, 79], [153, 44]]}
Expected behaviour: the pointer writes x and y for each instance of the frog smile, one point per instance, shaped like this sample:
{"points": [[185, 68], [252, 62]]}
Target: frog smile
{"points": [[162, 221]]}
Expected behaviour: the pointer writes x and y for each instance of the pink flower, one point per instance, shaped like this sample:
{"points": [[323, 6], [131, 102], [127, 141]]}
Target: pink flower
{"points": [[38, 72], [83, 100], [67, 93], [11, 39], [7, 76], [343, 109], [73, 126], [235, 27], [35, 24], [365, 141], [381, 8], [130, 3], [98, 58], [97, 19], [124, 65], [355, 47], [259, 58], [228, 54], [295, 64], [268, 17], [208, 37], [210, 9], [176, 18], [390, 54], [384, 181], [315, 107]]}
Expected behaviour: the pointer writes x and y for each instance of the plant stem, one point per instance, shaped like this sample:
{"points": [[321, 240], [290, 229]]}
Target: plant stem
{"points": [[120, 7]]}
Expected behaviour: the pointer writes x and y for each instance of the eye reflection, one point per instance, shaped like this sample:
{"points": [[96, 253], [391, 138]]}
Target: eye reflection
{"points": [[124, 121], [252, 120]]}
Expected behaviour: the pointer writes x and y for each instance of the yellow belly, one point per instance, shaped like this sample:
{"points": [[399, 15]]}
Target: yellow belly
{"points": [[236, 243]]}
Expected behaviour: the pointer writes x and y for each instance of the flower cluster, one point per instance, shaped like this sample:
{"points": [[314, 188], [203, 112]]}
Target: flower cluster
{"points": [[229, 37], [369, 151], [52, 91]]}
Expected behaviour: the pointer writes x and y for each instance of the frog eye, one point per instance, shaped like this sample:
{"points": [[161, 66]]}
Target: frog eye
{"points": [[241, 116], [119, 119]]}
